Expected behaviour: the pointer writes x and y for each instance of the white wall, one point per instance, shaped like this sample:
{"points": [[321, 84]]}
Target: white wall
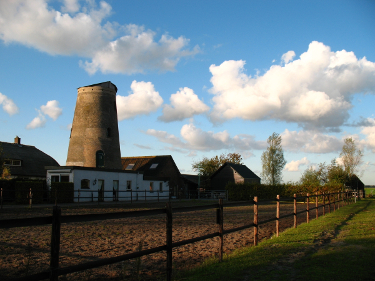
{"points": [[141, 193]]}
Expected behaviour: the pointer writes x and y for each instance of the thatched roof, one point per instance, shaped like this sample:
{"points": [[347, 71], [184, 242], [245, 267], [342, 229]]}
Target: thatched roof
{"points": [[33, 160]]}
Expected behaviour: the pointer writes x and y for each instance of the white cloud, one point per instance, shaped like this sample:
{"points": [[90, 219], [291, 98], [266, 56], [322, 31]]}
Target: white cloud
{"points": [[51, 109], [288, 56], [82, 30], [310, 142], [194, 138], [37, 122], [314, 91], [143, 100], [293, 166], [369, 132], [8, 105], [184, 104]]}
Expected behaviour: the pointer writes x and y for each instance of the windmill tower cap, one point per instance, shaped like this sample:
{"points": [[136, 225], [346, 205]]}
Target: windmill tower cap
{"points": [[108, 85]]}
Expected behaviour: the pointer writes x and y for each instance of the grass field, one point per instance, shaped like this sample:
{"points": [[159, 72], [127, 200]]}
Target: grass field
{"points": [[338, 246]]}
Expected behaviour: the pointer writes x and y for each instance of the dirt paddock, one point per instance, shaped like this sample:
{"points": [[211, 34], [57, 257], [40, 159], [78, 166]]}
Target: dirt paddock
{"points": [[26, 250]]}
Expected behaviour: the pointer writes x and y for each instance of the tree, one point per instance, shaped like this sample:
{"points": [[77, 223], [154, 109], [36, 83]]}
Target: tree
{"points": [[207, 166], [351, 157], [273, 161]]}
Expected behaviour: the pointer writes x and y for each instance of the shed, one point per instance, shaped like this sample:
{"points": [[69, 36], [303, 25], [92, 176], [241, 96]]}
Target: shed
{"points": [[230, 172]]}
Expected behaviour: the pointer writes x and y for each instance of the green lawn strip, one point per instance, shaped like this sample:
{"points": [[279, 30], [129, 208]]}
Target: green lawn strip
{"points": [[338, 246]]}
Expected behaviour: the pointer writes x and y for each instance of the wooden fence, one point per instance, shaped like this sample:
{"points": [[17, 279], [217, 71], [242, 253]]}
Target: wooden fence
{"points": [[321, 201]]}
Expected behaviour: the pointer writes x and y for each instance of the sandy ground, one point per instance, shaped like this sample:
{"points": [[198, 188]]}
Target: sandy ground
{"points": [[25, 250]]}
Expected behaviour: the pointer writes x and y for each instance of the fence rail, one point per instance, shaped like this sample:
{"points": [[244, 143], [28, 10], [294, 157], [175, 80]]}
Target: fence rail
{"points": [[56, 219]]}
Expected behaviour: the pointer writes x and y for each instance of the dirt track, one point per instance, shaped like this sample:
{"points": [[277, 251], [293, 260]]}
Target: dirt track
{"points": [[26, 250]]}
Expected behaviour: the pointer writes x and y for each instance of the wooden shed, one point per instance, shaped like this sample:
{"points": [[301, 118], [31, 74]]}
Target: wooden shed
{"points": [[230, 172]]}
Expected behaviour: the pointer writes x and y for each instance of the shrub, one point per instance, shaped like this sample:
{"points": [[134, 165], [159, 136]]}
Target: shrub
{"points": [[64, 192], [22, 190]]}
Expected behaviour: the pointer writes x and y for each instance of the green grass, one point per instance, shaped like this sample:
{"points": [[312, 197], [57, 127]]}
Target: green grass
{"points": [[338, 246], [370, 190]]}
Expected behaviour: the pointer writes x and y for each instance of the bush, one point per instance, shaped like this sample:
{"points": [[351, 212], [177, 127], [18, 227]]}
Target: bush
{"points": [[64, 192], [22, 190]]}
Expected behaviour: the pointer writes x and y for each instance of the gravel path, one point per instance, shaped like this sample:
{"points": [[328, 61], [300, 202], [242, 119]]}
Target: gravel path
{"points": [[26, 250]]}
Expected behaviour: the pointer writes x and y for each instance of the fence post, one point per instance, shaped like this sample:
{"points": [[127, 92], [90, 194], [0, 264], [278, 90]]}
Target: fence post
{"points": [[220, 219], [338, 200], [316, 205], [98, 196], [158, 194], [55, 243], [334, 201], [131, 196], [324, 204], [329, 202], [307, 208], [295, 210], [168, 210], [92, 196], [1, 198], [30, 198], [277, 215], [255, 220], [145, 195]]}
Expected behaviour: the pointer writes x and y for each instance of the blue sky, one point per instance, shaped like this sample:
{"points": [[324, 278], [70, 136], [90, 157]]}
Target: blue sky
{"points": [[195, 78]]}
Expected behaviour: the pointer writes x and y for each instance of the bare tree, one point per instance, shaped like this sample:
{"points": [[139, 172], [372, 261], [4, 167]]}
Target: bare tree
{"points": [[351, 157], [273, 161]]}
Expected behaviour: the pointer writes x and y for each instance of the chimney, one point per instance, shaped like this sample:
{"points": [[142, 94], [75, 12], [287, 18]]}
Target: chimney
{"points": [[17, 140]]}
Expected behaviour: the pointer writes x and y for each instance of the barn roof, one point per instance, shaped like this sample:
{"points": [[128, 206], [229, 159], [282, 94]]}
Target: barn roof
{"points": [[242, 170], [33, 160], [149, 165]]}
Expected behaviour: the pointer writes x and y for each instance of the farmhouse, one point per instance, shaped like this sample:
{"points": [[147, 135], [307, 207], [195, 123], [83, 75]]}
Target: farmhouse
{"points": [[162, 166], [230, 172], [26, 161]]}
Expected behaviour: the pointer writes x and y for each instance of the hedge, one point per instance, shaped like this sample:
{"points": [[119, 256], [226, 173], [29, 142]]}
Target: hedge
{"points": [[64, 192], [22, 190], [246, 191]]}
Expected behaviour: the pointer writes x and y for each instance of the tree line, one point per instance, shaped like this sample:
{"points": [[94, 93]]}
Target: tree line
{"points": [[273, 163]]}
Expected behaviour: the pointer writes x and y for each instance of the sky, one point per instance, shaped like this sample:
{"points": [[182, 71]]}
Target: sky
{"points": [[196, 78]]}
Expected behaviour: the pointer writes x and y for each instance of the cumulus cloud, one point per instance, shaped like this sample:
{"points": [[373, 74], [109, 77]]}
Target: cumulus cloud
{"points": [[288, 56], [8, 105], [83, 30], [143, 100], [310, 142], [313, 91], [51, 109], [369, 132], [37, 122], [293, 166], [194, 138], [184, 104]]}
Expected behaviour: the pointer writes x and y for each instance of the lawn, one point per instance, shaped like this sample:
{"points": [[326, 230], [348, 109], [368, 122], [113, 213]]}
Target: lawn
{"points": [[338, 246]]}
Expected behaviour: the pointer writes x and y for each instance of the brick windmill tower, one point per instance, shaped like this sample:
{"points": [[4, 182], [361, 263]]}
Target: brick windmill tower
{"points": [[94, 139]]}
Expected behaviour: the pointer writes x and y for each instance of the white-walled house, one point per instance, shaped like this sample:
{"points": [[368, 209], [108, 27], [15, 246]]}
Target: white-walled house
{"points": [[95, 184]]}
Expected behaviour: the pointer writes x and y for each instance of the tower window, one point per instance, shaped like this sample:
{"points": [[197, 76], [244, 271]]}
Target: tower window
{"points": [[99, 159]]}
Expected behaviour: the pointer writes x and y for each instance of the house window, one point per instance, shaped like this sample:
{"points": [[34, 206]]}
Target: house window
{"points": [[151, 186], [55, 178], [129, 167], [161, 187], [64, 178], [85, 184], [153, 166], [129, 185], [12, 162], [99, 159]]}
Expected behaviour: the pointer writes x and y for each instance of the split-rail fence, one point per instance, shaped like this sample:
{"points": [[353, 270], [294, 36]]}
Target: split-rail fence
{"points": [[321, 201]]}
